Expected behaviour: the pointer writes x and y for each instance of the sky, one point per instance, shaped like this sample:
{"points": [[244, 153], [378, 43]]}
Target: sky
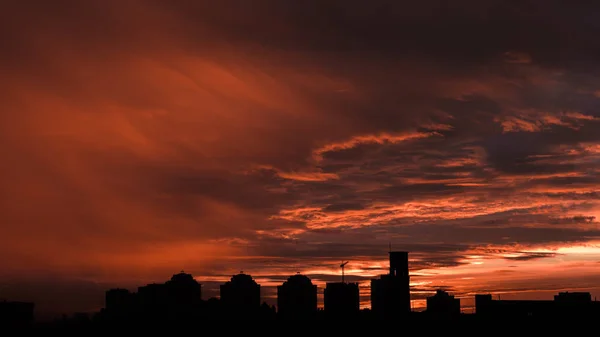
{"points": [[142, 138]]}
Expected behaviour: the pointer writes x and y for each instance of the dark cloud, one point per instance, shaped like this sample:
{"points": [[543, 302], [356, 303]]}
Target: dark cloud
{"points": [[530, 256], [432, 28]]}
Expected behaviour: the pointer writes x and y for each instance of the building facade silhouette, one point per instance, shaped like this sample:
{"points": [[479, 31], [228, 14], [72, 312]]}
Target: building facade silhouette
{"points": [[180, 298], [390, 294], [240, 296], [297, 298], [184, 295], [153, 301], [120, 303], [341, 299], [567, 305], [443, 305]]}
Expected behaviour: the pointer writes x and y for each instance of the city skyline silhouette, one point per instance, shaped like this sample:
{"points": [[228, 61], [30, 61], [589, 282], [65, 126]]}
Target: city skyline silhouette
{"points": [[179, 301], [285, 137]]}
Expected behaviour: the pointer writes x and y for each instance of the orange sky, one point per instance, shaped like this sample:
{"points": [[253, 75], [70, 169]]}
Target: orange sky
{"points": [[140, 138]]}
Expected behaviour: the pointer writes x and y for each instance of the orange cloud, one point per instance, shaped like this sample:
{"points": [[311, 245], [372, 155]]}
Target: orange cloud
{"points": [[535, 121], [308, 176], [368, 139]]}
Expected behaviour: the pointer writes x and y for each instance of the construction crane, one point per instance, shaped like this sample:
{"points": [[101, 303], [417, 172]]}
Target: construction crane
{"points": [[342, 266]]}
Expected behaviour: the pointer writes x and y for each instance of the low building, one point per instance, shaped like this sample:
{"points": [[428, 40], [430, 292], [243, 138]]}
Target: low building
{"points": [[443, 305]]}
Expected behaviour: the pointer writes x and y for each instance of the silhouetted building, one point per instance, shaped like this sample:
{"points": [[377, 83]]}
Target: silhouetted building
{"points": [[16, 314], [80, 318], [487, 307], [564, 305], [443, 305], [297, 298], [184, 296], [390, 294], [573, 297], [178, 299], [153, 301], [267, 312], [120, 303], [576, 305], [341, 299], [213, 309], [240, 297]]}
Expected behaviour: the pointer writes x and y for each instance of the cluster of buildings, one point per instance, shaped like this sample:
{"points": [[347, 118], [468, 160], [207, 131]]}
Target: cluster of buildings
{"points": [[180, 299], [240, 297]]}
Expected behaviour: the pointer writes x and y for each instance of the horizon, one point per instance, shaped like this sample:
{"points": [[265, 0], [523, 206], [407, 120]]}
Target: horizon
{"points": [[210, 289], [144, 137]]}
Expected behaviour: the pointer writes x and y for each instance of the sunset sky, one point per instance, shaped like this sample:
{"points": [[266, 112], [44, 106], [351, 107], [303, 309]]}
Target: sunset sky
{"points": [[144, 137]]}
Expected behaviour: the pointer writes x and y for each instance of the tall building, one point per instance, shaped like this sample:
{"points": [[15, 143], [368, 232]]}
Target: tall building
{"points": [[443, 305], [184, 295], [240, 296], [297, 298], [341, 299], [178, 298], [390, 294]]}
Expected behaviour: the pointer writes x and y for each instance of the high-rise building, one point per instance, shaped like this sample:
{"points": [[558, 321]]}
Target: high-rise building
{"points": [[390, 294], [240, 296], [341, 299], [297, 298], [184, 294], [178, 298]]}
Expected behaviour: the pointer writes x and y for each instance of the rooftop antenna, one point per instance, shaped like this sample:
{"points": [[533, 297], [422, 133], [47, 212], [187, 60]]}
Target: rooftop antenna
{"points": [[343, 265]]}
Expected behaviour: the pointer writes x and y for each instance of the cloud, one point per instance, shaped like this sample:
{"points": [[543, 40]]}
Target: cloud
{"points": [[368, 139], [307, 176], [140, 138], [534, 121], [530, 256]]}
